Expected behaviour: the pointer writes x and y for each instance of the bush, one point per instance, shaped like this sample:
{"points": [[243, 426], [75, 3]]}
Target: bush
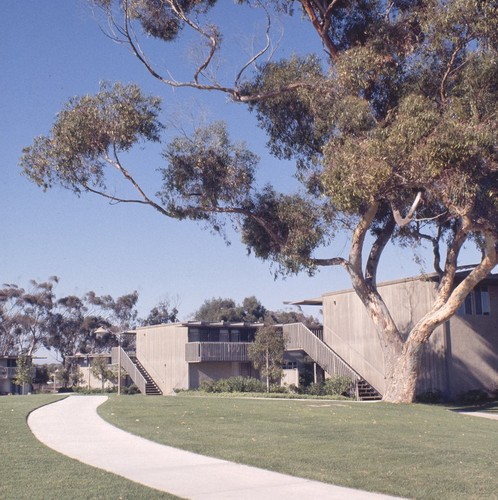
{"points": [[430, 396], [131, 389], [314, 389], [473, 397], [334, 386], [337, 386], [232, 384]]}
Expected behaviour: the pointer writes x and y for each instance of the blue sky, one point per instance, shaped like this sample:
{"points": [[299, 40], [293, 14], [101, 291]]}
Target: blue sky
{"points": [[55, 49]]}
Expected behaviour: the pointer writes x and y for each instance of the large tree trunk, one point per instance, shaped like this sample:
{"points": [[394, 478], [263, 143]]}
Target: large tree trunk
{"points": [[401, 383], [402, 379]]}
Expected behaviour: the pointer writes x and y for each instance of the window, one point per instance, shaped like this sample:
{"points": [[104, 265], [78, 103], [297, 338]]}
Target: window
{"points": [[224, 335], [193, 335], [289, 365], [476, 303]]}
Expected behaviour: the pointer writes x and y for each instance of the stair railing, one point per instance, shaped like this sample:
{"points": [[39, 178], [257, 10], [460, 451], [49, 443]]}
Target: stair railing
{"points": [[130, 368], [298, 336]]}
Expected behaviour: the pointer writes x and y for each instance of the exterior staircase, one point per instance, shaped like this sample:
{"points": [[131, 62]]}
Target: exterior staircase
{"points": [[365, 392], [151, 388], [299, 337], [136, 372]]}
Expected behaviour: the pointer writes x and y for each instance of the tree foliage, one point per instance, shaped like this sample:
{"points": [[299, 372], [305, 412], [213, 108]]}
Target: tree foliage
{"points": [[267, 353], [163, 312], [251, 310], [392, 128], [34, 318]]}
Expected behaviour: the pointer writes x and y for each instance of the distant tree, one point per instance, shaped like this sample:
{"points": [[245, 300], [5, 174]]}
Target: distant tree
{"points": [[118, 316], [219, 310], [72, 327], [23, 372], [164, 312], [251, 310], [267, 353], [286, 317], [392, 128], [25, 315]]}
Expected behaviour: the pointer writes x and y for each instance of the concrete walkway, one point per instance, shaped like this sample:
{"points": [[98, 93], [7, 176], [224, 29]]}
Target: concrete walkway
{"points": [[482, 414], [73, 427]]}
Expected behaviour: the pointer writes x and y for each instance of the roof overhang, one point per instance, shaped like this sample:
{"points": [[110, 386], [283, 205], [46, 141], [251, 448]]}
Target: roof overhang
{"points": [[223, 324], [306, 302]]}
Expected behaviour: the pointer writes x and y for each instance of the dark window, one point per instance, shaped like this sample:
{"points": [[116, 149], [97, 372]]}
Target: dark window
{"points": [[224, 335], [476, 302], [468, 304], [193, 335]]}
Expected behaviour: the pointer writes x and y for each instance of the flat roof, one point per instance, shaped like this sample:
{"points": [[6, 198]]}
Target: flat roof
{"points": [[491, 278], [221, 324]]}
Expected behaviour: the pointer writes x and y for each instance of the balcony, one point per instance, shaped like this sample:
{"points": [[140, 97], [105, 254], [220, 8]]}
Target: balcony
{"points": [[196, 352]]}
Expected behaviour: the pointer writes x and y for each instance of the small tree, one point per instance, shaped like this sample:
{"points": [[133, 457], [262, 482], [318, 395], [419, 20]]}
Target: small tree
{"points": [[100, 369], [267, 353], [23, 373]]}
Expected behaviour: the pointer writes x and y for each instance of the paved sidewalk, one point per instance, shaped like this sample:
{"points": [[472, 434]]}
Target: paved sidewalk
{"points": [[482, 414], [73, 427]]}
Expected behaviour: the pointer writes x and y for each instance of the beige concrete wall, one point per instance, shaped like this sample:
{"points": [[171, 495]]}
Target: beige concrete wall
{"points": [[89, 380], [290, 376], [199, 372], [474, 349], [161, 350], [349, 330]]}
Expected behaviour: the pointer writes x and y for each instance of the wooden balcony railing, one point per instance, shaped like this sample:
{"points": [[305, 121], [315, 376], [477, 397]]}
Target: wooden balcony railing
{"points": [[196, 352]]}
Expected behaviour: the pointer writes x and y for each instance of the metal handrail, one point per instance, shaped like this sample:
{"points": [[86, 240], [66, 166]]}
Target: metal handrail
{"points": [[130, 368], [298, 336]]}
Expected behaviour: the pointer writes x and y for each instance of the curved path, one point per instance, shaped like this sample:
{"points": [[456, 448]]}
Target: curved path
{"points": [[73, 427]]}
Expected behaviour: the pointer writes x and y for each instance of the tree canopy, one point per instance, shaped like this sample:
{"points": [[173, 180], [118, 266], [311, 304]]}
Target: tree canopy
{"points": [[251, 310], [34, 318], [392, 128]]}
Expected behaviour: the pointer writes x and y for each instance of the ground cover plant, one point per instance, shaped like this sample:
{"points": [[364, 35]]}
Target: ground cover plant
{"points": [[414, 451], [30, 470]]}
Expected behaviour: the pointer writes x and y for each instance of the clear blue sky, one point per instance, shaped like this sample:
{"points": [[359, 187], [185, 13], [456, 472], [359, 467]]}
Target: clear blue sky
{"points": [[55, 49]]}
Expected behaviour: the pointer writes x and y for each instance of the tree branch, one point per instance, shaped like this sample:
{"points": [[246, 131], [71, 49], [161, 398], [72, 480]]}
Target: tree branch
{"points": [[322, 25], [403, 221], [376, 251]]}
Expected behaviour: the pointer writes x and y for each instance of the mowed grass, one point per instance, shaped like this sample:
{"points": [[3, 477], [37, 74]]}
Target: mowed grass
{"points": [[30, 470], [414, 451]]}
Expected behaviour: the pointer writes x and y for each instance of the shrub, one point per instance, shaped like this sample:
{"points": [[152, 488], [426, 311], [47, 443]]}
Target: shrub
{"points": [[232, 384], [131, 389], [334, 386], [430, 396], [314, 389], [474, 396], [277, 389], [338, 386]]}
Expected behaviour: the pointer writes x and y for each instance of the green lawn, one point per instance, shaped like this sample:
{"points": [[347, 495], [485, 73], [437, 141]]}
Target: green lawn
{"points": [[415, 451], [30, 470]]}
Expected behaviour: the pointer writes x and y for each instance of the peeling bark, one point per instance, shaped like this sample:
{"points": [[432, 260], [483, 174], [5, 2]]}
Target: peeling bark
{"points": [[402, 381]]}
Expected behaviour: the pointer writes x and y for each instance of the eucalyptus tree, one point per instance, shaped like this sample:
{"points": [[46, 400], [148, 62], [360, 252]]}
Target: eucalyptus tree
{"points": [[25, 317], [164, 312], [392, 128]]}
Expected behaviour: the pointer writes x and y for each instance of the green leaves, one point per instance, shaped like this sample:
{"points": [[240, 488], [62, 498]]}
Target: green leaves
{"points": [[87, 131], [206, 173], [285, 229]]}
